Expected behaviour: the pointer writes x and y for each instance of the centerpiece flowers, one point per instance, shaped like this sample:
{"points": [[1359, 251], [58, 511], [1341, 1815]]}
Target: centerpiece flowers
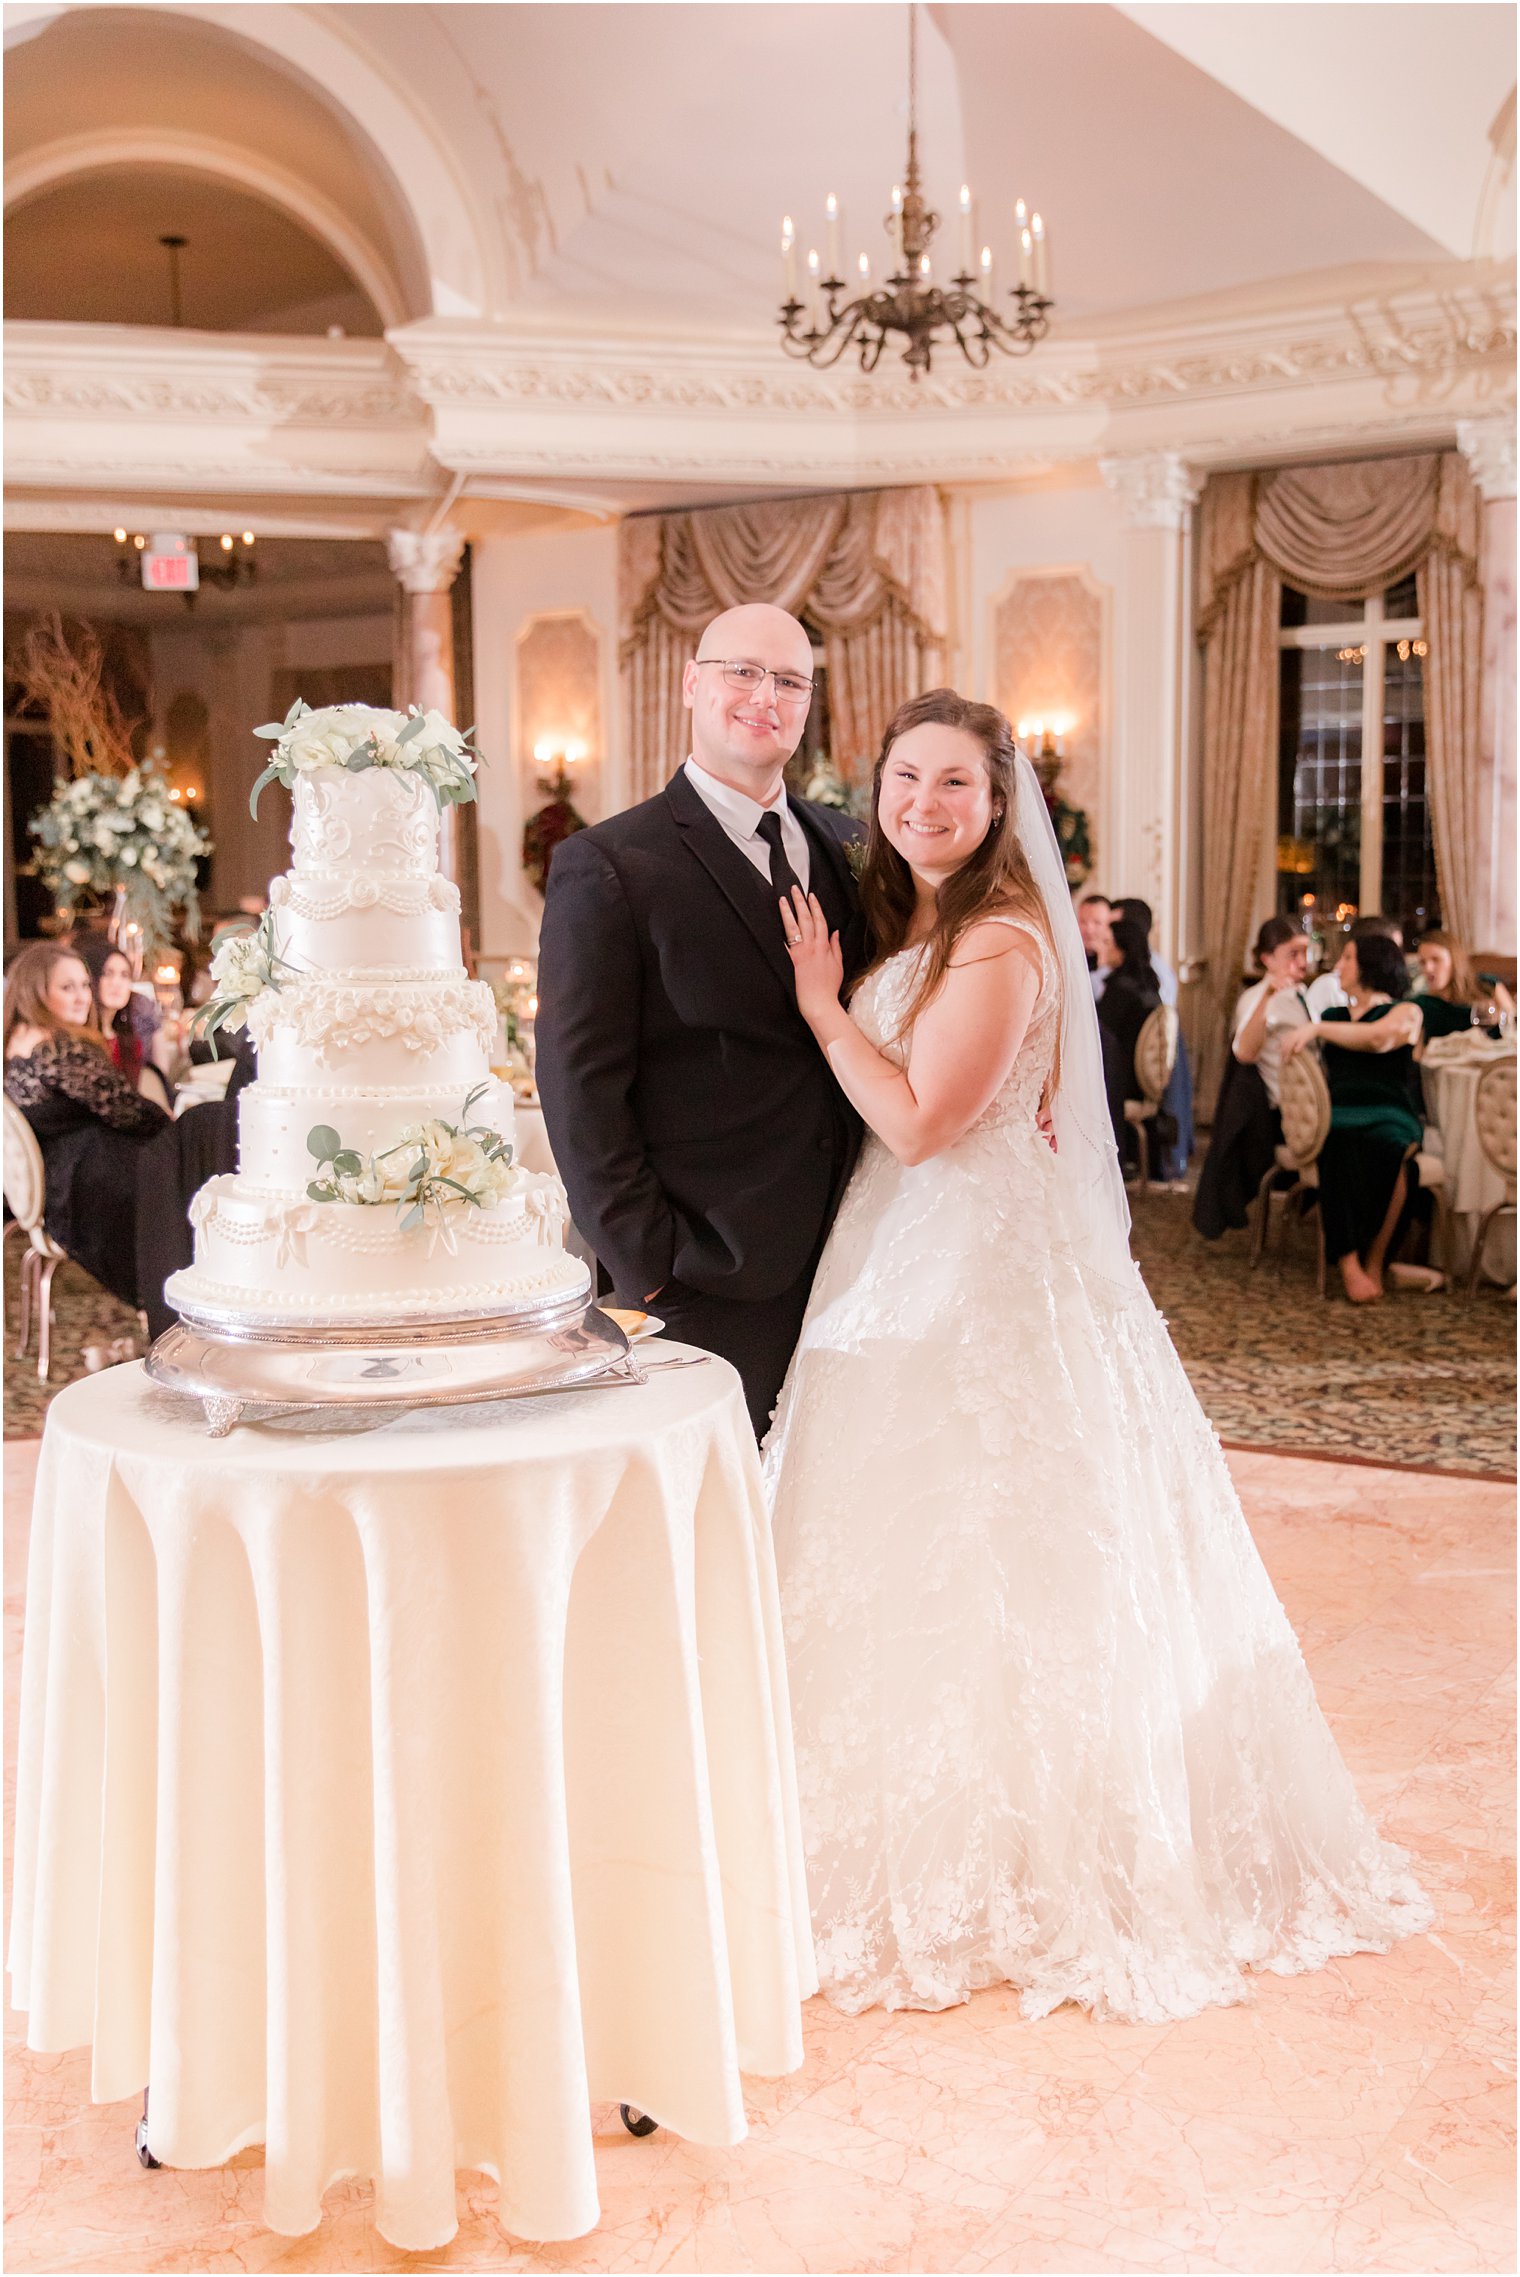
{"points": [[356, 736], [433, 1169], [102, 835]]}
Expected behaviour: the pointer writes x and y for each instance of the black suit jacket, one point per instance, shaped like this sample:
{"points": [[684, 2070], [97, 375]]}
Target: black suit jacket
{"points": [[699, 1133]]}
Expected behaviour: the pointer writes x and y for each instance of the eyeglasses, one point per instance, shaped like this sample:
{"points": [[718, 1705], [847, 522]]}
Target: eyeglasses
{"points": [[750, 677]]}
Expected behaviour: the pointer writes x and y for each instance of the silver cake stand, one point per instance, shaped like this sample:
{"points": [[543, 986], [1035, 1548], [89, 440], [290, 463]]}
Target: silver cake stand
{"points": [[233, 1366]]}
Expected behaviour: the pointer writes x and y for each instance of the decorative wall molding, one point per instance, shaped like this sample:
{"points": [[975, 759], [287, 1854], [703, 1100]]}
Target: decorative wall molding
{"points": [[1050, 651], [1488, 445]]}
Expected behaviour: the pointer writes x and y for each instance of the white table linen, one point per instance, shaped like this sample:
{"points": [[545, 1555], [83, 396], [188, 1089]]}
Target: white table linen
{"points": [[389, 1794], [1449, 1073]]}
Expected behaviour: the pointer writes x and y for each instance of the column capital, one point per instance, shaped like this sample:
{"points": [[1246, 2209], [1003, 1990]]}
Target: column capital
{"points": [[425, 561], [1157, 489], [1488, 445]]}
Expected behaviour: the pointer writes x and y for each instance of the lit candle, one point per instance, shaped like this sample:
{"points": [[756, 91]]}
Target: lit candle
{"points": [[1041, 268], [1020, 216], [987, 272], [831, 209], [812, 268], [966, 240], [923, 268], [788, 259], [897, 236], [1026, 256], [865, 272]]}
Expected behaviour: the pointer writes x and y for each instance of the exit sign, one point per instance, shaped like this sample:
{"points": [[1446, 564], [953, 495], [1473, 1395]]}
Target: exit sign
{"points": [[170, 564]]}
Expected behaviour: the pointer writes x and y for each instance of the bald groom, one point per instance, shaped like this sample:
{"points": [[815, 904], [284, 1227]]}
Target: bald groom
{"points": [[702, 1140]]}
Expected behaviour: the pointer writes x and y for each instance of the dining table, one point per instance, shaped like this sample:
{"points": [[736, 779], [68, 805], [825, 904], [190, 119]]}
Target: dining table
{"points": [[396, 1785], [1449, 1072]]}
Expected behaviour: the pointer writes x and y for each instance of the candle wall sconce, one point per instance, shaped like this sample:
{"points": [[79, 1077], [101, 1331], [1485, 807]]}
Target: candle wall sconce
{"points": [[558, 818]]}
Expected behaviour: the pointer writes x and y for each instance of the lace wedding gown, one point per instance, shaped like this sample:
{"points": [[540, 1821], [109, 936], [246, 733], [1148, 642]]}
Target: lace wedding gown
{"points": [[1052, 1725]]}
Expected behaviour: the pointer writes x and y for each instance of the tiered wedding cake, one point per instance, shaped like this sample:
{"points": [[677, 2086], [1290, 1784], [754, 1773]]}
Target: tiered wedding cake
{"points": [[375, 1183]]}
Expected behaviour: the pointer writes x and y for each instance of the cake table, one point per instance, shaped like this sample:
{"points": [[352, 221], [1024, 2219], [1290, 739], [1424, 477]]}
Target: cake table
{"points": [[389, 1793]]}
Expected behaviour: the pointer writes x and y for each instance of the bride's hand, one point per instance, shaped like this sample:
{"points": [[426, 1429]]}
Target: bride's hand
{"points": [[816, 957], [1298, 1039]]}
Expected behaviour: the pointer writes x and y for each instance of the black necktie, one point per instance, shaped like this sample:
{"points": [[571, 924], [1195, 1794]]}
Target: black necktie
{"points": [[783, 876]]}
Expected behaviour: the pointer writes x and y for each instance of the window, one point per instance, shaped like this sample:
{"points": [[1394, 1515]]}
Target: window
{"points": [[1355, 836]]}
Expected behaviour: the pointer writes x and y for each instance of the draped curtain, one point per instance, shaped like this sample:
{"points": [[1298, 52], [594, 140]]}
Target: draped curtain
{"points": [[1338, 533], [869, 570]]}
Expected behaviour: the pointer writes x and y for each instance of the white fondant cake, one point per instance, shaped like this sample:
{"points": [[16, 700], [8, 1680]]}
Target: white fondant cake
{"points": [[371, 1036]]}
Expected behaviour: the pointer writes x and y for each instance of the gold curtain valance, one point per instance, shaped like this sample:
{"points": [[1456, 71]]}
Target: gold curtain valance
{"points": [[868, 569]]}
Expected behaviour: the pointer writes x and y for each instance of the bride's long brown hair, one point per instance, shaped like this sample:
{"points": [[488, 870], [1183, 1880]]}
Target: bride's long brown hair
{"points": [[995, 880]]}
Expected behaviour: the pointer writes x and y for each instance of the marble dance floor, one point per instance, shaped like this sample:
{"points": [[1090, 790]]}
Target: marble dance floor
{"points": [[1360, 2119]]}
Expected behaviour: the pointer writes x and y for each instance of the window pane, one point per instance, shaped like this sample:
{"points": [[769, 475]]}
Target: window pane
{"points": [[1319, 779], [1409, 869], [1299, 609], [1403, 599]]}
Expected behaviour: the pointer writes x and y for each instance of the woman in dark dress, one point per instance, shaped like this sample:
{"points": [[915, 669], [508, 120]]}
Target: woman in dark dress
{"points": [[130, 1022], [91, 1124], [1368, 1046], [1130, 995]]}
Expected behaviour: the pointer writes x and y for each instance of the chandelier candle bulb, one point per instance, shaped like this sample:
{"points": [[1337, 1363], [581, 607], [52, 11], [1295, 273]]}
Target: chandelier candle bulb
{"points": [[1026, 259], [788, 258], [831, 210], [812, 268], [897, 225], [1037, 234], [865, 272], [966, 231], [986, 266]]}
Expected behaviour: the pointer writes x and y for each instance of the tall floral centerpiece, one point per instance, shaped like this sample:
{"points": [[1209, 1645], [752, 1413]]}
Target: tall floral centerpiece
{"points": [[105, 836]]}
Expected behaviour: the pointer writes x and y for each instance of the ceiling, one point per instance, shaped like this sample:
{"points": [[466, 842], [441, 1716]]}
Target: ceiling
{"points": [[628, 165], [87, 250], [297, 577]]}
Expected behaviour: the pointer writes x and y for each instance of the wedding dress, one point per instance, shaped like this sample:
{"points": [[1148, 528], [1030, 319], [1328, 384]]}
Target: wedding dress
{"points": [[1052, 1725]]}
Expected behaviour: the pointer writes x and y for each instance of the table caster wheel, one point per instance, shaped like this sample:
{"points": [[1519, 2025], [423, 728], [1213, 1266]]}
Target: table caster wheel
{"points": [[144, 2155], [637, 2122]]}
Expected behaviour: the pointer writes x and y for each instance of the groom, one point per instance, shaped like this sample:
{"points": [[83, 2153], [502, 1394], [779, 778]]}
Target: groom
{"points": [[701, 1138]]}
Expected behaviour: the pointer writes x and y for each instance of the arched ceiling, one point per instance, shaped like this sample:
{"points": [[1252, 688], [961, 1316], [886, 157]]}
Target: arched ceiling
{"points": [[87, 250], [627, 165]]}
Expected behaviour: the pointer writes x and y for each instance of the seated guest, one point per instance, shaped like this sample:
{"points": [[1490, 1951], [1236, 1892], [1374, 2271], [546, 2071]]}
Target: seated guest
{"points": [[130, 1022], [1139, 913], [1130, 994], [1274, 1003], [1092, 924], [91, 1123], [1368, 1046], [1325, 988], [1247, 1127], [1449, 993]]}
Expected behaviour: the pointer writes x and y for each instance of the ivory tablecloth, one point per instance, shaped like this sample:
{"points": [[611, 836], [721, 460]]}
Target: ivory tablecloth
{"points": [[389, 1794], [1449, 1073]]}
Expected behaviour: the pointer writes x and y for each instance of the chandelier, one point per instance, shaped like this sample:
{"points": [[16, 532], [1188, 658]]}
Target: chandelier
{"points": [[824, 326]]}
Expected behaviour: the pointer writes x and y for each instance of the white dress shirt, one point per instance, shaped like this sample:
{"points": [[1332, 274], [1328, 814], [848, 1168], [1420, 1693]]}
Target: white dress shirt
{"points": [[1289, 1008], [1322, 993], [740, 818]]}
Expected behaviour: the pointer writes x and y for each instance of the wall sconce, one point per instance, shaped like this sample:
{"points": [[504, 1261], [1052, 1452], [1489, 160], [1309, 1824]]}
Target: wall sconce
{"points": [[1046, 738], [558, 819], [560, 757]]}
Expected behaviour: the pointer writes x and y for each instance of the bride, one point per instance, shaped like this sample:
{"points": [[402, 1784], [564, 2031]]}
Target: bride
{"points": [[1053, 1728]]}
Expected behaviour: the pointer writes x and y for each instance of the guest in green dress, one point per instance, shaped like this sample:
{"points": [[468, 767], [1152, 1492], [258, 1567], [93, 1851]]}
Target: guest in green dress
{"points": [[1450, 992], [1368, 1047]]}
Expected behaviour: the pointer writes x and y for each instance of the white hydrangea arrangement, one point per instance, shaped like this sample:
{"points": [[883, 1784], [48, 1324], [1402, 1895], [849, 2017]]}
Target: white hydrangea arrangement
{"points": [[103, 833], [356, 736], [245, 964], [433, 1168]]}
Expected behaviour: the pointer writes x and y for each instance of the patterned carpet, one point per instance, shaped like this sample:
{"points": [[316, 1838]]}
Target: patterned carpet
{"points": [[1424, 1381]]}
